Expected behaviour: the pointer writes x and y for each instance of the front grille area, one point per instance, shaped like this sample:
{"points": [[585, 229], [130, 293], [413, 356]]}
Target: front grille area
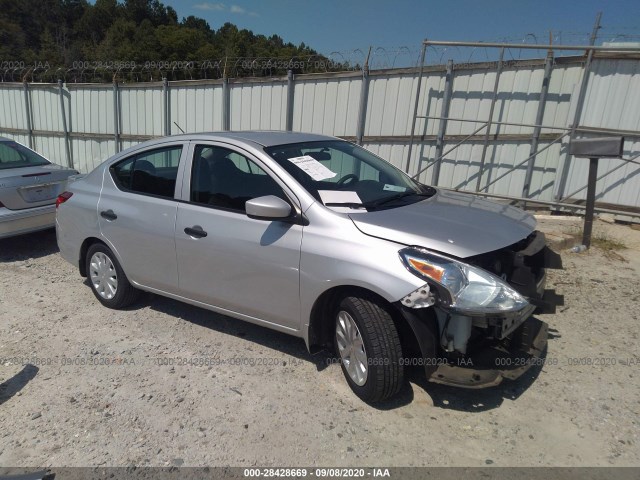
{"points": [[522, 265]]}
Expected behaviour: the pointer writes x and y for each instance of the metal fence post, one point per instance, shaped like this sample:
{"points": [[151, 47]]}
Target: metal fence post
{"points": [[290, 99], [67, 147], [591, 201], [444, 113], [116, 114], [362, 108], [548, 66], [27, 109], [490, 120], [582, 93], [226, 103], [415, 106], [166, 106]]}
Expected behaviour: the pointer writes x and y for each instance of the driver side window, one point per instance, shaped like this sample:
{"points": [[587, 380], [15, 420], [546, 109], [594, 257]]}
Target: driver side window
{"points": [[224, 178]]}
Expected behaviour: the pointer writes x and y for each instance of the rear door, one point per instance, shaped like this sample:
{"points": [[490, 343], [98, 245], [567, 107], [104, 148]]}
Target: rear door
{"points": [[137, 213], [243, 265]]}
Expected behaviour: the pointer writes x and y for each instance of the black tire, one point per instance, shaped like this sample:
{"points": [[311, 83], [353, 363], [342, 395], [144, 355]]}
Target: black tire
{"points": [[125, 294], [382, 348]]}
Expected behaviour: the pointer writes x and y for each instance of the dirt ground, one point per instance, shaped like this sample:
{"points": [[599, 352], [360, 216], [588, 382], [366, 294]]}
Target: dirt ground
{"points": [[107, 388]]}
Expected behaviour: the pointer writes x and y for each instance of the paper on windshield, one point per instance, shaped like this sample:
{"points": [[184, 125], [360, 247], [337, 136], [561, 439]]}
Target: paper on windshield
{"points": [[394, 188], [338, 196], [312, 167]]}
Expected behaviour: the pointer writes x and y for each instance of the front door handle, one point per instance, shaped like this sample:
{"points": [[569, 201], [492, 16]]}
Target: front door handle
{"points": [[195, 231], [109, 215]]}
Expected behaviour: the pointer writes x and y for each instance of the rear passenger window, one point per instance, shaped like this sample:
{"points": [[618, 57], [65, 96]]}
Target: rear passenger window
{"points": [[227, 179], [152, 173]]}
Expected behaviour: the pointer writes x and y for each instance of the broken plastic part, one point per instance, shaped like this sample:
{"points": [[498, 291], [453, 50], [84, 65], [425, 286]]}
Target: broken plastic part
{"points": [[459, 330], [420, 298]]}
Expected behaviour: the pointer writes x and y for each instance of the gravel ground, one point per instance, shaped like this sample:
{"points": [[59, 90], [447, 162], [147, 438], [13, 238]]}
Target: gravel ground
{"points": [[68, 408]]}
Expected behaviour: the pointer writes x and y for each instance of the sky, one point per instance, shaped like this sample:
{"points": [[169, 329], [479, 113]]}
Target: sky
{"points": [[347, 25]]}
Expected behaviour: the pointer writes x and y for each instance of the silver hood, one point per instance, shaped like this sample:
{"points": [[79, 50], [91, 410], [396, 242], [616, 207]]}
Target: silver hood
{"points": [[453, 223]]}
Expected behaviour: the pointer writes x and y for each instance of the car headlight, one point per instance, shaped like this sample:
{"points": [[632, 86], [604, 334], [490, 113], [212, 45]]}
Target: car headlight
{"points": [[470, 289]]}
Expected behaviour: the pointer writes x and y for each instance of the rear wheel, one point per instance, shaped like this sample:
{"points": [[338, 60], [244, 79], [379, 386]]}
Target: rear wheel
{"points": [[108, 281], [369, 347]]}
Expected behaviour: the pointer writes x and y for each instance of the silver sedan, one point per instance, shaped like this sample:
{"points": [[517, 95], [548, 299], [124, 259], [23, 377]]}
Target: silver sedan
{"points": [[29, 186], [319, 238]]}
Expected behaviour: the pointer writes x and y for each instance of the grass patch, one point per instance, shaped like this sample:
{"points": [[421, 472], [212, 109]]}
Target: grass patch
{"points": [[608, 245]]}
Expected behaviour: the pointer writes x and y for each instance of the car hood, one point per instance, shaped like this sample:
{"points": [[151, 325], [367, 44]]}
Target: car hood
{"points": [[453, 223]]}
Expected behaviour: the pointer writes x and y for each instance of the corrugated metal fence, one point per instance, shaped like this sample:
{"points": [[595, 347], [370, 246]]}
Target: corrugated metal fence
{"points": [[83, 124]]}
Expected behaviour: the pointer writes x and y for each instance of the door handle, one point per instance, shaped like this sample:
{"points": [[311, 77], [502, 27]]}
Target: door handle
{"points": [[109, 215], [195, 231]]}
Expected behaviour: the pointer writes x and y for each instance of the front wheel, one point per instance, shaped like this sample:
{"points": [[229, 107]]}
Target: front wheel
{"points": [[369, 347], [108, 282]]}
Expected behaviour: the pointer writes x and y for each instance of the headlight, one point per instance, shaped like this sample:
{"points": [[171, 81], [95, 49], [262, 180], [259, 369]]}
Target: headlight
{"points": [[471, 289]]}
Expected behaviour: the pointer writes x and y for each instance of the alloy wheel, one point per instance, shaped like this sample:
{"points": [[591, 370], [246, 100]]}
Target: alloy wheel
{"points": [[351, 348]]}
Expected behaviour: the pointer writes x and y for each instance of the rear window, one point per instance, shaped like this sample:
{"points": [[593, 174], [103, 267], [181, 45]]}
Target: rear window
{"points": [[153, 172], [14, 155]]}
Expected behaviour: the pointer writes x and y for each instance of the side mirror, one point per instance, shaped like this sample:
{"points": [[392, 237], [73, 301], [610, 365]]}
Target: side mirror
{"points": [[268, 207]]}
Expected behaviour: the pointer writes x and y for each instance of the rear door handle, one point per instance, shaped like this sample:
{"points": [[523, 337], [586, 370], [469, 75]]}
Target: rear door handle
{"points": [[109, 215], [195, 231]]}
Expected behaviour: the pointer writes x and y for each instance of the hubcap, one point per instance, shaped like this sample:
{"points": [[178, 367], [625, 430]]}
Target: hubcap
{"points": [[103, 275], [351, 348]]}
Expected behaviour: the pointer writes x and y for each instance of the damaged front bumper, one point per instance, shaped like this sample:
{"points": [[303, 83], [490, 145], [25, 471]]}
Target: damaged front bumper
{"points": [[488, 358], [475, 350], [488, 367]]}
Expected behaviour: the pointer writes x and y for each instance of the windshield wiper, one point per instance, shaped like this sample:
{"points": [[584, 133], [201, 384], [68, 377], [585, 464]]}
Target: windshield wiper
{"points": [[373, 205], [399, 196], [352, 205]]}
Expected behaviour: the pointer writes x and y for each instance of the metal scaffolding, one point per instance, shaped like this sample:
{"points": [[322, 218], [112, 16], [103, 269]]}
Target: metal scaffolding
{"points": [[570, 131]]}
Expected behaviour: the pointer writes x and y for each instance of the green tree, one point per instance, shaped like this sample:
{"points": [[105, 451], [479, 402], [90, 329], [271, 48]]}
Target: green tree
{"points": [[179, 43], [119, 42], [62, 32]]}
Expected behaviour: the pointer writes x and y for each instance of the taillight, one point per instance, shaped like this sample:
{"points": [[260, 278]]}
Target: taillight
{"points": [[63, 197]]}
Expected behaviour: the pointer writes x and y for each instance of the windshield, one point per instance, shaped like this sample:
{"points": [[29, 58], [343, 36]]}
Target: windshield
{"points": [[14, 155], [341, 174]]}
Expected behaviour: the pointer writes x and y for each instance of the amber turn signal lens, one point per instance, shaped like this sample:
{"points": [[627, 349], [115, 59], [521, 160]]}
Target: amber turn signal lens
{"points": [[431, 271]]}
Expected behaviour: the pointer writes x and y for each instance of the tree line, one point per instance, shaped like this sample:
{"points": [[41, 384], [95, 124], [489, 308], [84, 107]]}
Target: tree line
{"points": [[68, 34]]}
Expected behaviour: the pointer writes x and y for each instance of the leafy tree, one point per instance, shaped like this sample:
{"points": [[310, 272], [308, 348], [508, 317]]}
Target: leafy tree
{"points": [[119, 42], [64, 32], [198, 24]]}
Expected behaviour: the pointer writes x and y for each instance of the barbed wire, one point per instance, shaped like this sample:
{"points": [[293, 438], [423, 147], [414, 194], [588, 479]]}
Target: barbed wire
{"points": [[82, 71], [377, 58], [438, 55]]}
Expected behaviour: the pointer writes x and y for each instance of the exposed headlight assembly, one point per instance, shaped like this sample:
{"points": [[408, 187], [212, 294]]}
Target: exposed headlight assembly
{"points": [[469, 289]]}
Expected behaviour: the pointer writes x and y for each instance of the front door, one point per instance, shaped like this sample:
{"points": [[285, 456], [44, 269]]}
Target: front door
{"points": [[227, 259]]}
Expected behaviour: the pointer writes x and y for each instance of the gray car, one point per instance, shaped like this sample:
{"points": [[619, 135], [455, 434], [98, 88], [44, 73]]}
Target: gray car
{"points": [[316, 237], [29, 186]]}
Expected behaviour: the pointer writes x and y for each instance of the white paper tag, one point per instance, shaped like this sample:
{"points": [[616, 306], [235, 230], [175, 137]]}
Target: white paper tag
{"points": [[312, 167], [338, 196], [394, 188]]}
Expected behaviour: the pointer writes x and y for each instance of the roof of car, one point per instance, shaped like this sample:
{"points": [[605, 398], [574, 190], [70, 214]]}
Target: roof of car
{"points": [[270, 138], [266, 138]]}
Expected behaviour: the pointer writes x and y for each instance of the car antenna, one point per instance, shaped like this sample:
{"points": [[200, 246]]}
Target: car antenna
{"points": [[178, 127]]}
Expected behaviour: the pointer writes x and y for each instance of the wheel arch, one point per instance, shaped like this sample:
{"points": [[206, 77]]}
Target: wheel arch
{"points": [[84, 248], [320, 330]]}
